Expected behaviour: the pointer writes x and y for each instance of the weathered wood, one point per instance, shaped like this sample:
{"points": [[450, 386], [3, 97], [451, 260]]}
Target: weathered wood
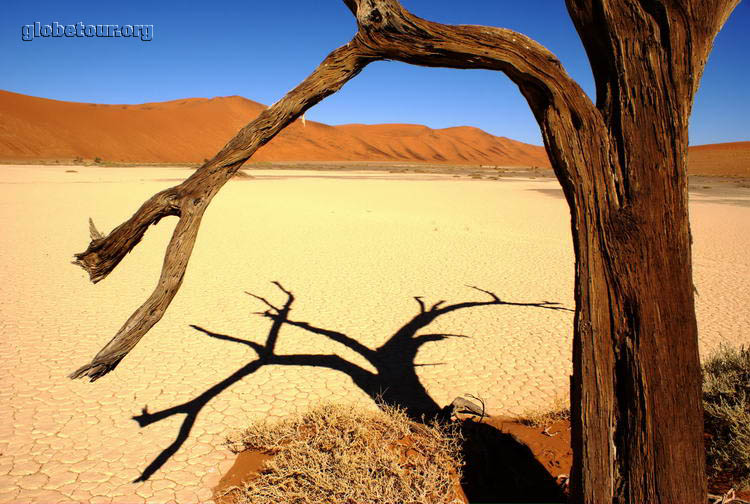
{"points": [[635, 389], [189, 201]]}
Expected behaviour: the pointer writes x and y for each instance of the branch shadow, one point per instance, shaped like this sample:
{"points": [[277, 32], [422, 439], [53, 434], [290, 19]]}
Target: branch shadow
{"points": [[395, 383]]}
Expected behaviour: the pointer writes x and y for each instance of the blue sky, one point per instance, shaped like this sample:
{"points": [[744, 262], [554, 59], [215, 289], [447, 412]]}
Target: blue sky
{"points": [[260, 50]]}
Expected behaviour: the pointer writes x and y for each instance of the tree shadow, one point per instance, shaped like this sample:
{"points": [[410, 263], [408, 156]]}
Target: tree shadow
{"points": [[395, 383], [500, 469]]}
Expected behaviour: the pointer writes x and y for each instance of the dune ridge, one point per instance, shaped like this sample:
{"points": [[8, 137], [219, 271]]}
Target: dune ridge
{"points": [[192, 129], [724, 159]]}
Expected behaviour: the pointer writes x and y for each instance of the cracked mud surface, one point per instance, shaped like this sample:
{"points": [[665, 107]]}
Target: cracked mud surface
{"points": [[353, 251]]}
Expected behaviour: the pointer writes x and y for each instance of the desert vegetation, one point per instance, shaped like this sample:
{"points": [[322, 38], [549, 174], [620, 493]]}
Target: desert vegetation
{"points": [[726, 402], [335, 454], [332, 453]]}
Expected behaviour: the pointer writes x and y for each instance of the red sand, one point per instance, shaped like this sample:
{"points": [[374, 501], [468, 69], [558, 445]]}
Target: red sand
{"points": [[727, 159], [192, 129], [550, 447]]}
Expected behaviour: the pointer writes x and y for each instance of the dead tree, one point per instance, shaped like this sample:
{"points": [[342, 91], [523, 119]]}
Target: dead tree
{"points": [[635, 389]]}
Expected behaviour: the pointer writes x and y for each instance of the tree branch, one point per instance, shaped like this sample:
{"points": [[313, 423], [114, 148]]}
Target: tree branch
{"points": [[104, 253], [560, 106], [386, 31], [150, 312], [190, 199], [391, 32]]}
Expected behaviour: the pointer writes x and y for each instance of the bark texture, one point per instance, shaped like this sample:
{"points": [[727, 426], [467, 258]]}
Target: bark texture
{"points": [[635, 389]]}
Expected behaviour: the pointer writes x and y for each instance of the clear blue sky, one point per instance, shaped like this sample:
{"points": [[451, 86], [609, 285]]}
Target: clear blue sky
{"points": [[260, 50]]}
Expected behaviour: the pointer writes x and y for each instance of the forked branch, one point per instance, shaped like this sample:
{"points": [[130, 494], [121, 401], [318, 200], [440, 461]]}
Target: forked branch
{"points": [[386, 31], [189, 201]]}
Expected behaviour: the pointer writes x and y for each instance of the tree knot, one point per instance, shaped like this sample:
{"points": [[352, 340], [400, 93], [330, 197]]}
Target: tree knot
{"points": [[369, 15]]}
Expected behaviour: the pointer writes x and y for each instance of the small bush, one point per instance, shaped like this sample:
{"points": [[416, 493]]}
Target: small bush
{"points": [[726, 401], [97, 160], [337, 455], [560, 410]]}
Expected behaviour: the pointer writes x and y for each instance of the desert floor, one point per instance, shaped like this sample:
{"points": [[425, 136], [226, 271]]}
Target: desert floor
{"points": [[354, 248]]}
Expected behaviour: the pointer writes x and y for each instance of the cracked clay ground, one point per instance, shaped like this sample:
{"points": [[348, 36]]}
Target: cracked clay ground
{"points": [[354, 249]]}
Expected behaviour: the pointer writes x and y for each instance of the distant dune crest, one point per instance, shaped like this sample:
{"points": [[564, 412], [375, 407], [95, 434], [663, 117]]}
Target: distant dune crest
{"points": [[192, 129]]}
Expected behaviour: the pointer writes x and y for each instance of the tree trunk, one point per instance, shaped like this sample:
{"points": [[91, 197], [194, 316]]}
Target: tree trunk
{"points": [[636, 385], [635, 389]]}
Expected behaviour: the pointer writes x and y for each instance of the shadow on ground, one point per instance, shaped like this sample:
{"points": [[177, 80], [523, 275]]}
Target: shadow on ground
{"points": [[498, 467]]}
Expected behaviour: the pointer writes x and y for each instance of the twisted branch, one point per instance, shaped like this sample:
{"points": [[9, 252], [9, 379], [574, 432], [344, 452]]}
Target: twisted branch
{"points": [[385, 31]]}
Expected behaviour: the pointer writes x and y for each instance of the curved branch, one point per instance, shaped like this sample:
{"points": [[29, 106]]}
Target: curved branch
{"points": [[104, 253], [190, 199], [564, 112], [391, 32], [386, 31], [150, 312]]}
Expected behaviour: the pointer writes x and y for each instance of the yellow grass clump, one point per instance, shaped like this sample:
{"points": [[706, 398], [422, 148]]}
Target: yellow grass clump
{"points": [[337, 454], [559, 410]]}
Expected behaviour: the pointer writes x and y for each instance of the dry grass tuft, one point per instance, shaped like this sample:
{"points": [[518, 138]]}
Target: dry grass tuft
{"points": [[560, 410], [338, 454], [726, 402]]}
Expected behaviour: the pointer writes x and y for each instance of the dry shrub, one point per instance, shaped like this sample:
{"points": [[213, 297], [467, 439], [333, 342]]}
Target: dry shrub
{"points": [[339, 454], [726, 386], [560, 410]]}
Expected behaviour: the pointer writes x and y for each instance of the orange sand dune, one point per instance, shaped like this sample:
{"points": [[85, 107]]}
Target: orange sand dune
{"points": [[192, 129], [727, 159]]}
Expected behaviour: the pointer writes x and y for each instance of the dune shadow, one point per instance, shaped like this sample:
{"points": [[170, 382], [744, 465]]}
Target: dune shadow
{"points": [[394, 383]]}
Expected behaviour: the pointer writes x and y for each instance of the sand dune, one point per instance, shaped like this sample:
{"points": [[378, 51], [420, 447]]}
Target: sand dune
{"points": [[727, 159], [192, 129]]}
